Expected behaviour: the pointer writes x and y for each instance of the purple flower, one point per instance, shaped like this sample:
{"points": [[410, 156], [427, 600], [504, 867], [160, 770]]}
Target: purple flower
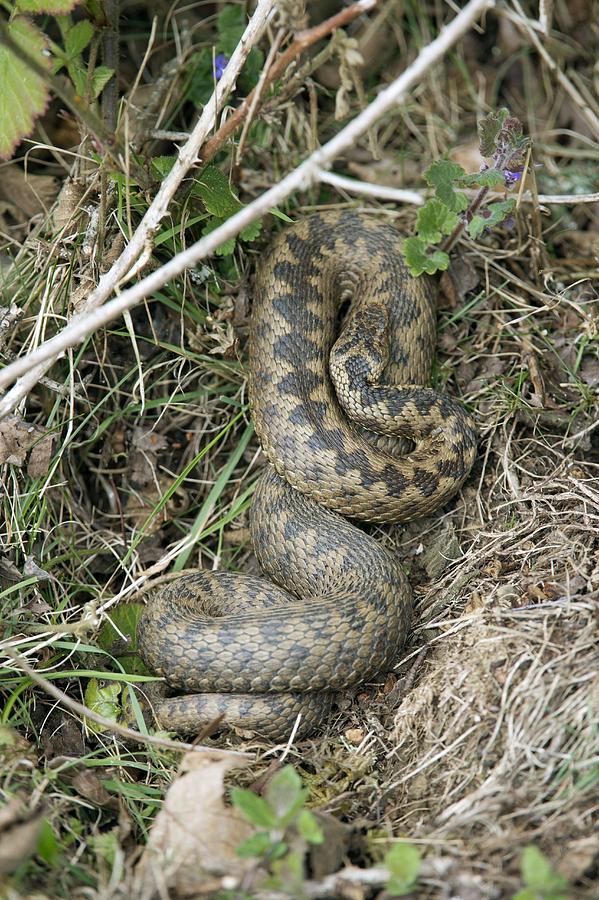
{"points": [[512, 177], [220, 64]]}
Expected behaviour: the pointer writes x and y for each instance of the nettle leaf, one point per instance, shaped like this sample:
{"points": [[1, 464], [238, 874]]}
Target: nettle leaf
{"points": [[418, 260], [254, 808], [443, 175], [434, 220], [251, 231], [488, 178], [214, 189], [24, 94], [78, 37], [228, 246], [492, 215], [56, 7], [488, 130]]}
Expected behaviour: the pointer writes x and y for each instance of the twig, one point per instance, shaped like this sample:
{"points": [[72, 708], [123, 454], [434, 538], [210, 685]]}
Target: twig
{"points": [[86, 323], [371, 190], [125, 732], [141, 239], [303, 40], [257, 93]]}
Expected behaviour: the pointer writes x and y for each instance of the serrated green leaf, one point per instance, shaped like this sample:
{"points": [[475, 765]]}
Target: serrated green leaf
{"points": [[538, 873], [251, 231], [254, 808], [443, 175], [56, 7], [488, 178], [285, 794], [213, 187], [434, 220], [100, 78], [227, 247], [256, 845], [163, 164], [78, 75], [78, 37], [492, 215], [24, 94], [488, 131], [308, 827], [418, 260]]}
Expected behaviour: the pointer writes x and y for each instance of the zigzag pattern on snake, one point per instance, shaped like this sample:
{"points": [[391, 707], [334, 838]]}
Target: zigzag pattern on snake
{"points": [[330, 412]]}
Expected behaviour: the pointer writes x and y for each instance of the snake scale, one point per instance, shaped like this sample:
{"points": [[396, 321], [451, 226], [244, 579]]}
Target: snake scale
{"points": [[329, 411]]}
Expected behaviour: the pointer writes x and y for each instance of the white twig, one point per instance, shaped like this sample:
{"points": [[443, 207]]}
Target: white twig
{"points": [[86, 322], [371, 190]]}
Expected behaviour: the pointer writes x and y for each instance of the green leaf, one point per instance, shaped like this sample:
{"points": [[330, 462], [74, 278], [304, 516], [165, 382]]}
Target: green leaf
{"points": [[404, 861], [78, 37], [118, 636], [213, 187], [256, 845], [285, 794], [443, 175], [78, 75], [309, 828], [56, 7], [227, 247], [100, 78], [525, 894], [492, 215], [251, 231], [488, 178], [538, 874], [418, 260], [488, 131], [230, 26], [254, 808], [434, 220], [24, 95], [47, 845]]}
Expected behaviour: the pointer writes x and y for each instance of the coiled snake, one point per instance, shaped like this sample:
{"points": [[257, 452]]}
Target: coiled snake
{"points": [[338, 608]]}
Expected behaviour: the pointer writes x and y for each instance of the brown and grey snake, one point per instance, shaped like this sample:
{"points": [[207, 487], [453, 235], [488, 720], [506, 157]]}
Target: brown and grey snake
{"points": [[337, 607]]}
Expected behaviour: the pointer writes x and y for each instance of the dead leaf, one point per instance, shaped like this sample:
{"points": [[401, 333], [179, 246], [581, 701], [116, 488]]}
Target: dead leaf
{"points": [[457, 281], [28, 195], [195, 835], [17, 438], [19, 834]]}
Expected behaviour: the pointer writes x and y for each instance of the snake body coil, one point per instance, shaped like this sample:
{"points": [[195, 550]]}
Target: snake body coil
{"points": [[338, 608]]}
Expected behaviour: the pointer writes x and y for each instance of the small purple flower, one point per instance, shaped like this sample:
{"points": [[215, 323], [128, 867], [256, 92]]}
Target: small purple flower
{"points": [[512, 177], [220, 64]]}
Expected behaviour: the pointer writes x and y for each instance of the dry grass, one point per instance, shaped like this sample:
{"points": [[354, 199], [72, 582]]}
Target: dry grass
{"points": [[486, 738]]}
